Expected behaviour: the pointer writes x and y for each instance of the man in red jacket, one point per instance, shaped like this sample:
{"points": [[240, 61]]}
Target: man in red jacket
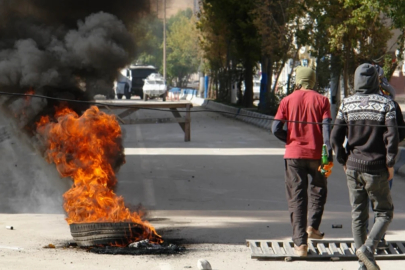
{"points": [[302, 110]]}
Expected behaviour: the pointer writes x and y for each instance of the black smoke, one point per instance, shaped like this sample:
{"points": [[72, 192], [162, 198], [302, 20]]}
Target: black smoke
{"points": [[63, 49], [66, 43]]}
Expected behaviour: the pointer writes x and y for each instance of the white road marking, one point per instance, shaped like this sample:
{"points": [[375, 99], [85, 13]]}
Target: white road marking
{"points": [[205, 151]]}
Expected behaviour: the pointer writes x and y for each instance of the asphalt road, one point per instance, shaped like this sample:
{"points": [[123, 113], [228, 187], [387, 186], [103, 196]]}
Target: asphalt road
{"points": [[210, 195]]}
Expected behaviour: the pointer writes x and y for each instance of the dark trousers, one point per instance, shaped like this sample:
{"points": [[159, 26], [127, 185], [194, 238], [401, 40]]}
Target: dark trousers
{"points": [[364, 187], [296, 181]]}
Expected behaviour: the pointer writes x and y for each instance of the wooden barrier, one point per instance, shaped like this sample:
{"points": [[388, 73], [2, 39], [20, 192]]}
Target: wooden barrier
{"points": [[133, 106]]}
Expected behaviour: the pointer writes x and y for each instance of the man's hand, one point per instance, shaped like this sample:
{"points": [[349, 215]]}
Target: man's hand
{"points": [[390, 173], [344, 168], [326, 169]]}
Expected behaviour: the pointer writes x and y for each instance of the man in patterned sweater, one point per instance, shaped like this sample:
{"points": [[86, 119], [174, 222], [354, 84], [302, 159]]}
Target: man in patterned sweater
{"points": [[369, 122]]}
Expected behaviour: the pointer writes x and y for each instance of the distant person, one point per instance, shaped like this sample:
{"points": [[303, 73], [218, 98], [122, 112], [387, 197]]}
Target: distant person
{"points": [[385, 87], [301, 110], [368, 120]]}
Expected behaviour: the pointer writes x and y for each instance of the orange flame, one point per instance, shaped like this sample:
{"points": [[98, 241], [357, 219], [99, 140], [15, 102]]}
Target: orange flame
{"points": [[29, 92], [87, 148]]}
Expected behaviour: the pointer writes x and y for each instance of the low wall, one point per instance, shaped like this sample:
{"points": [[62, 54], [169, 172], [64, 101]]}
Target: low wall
{"points": [[254, 118]]}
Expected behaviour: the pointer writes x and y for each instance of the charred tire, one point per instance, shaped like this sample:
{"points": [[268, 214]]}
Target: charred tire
{"points": [[91, 234], [119, 96]]}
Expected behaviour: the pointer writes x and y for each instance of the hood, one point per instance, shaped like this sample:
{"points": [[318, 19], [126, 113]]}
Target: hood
{"points": [[366, 80], [305, 76]]}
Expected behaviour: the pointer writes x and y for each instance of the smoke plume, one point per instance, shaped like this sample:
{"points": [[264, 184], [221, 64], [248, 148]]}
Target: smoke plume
{"points": [[66, 48], [65, 43]]}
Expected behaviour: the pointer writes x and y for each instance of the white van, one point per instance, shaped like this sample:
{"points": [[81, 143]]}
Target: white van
{"points": [[154, 87], [123, 84]]}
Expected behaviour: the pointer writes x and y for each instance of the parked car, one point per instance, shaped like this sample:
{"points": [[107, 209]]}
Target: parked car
{"points": [[154, 87], [123, 84], [139, 74]]}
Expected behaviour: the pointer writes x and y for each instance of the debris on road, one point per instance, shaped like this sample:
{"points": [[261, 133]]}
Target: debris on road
{"points": [[49, 246], [203, 264], [144, 244], [143, 247], [10, 227]]}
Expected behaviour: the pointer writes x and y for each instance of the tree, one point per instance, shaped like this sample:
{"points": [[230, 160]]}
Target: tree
{"points": [[280, 26], [148, 33], [182, 48], [218, 48], [240, 40], [342, 34], [358, 33]]}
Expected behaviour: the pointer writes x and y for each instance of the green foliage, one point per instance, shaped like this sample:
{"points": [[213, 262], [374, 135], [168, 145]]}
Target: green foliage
{"points": [[148, 33], [183, 57], [396, 11], [353, 31], [182, 48], [390, 64], [229, 39]]}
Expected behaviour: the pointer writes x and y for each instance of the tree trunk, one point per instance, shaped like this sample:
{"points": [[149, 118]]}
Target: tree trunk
{"points": [[346, 75], [264, 84], [248, 97], [289, 90], [215, 95], [278, 76], [336, 68]]}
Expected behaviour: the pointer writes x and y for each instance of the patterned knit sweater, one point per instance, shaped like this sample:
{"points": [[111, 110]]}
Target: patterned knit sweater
{"points": [[369, 122]]}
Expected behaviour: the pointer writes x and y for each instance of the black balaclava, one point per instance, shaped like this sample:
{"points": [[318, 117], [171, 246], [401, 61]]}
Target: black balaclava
{"points": [[366, 80]]}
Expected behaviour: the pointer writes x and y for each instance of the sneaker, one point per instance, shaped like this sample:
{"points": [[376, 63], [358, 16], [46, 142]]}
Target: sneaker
{"points": [[382, 244], [366, 256], [314, 234], [301, 251]]}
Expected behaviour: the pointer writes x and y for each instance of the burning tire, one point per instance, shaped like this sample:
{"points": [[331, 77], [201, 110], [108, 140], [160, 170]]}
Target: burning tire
{"points": [[92, 234]]}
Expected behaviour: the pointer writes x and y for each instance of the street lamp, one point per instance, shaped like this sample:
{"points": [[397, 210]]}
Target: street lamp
{"points": [[164, 40]]}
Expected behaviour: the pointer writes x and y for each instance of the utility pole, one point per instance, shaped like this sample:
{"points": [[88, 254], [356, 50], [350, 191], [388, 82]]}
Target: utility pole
{"points": [[164, 40]]}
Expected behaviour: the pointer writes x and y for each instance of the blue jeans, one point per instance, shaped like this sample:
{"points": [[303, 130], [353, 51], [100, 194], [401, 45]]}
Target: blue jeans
{"points": [[365, 188]]}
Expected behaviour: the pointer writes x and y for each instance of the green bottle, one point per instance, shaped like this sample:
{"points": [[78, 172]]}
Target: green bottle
{"points": [[325, 155]]}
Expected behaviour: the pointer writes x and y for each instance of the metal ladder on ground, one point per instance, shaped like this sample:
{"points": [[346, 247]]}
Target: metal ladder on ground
{"points": [[320, 250]]}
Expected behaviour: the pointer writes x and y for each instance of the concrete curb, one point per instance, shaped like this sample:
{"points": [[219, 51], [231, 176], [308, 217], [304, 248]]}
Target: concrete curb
{"points": [[257, 119]]}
